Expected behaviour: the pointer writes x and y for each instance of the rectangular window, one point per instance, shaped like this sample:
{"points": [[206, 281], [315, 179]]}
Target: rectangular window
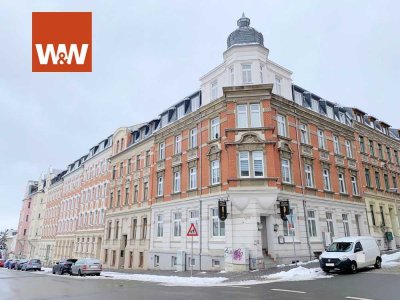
{"points": [[286, 177], [193, 138], [377, 180], [382, 216], [258, 163], [180, 111], [298, 98], [121, 169], [193, 178], [215, 178], [129, 166], [309, 176], [281, 125], [111, 199], [177, 182], [134, 228], [312, 223], [349, 151], [321, 139], [396, 157], [342, 183], [386, 180], [304, 134], [178, 144], [362, 143], [218, 226], [329, 223], [278, 85], [145, 191], [368, 178], [215, 128], [177, 224], [160, 186], [255, 115], [214, 90], [109, 230], [118, 198], [388, 154], [336, 144], [354, 185], [371, 148], [246, 73], [194, 218], [244, 164], [114, 172], [156, 260], [126, 196], [141, 259], [346, 225], [137, 162], [289, 226], [394, 181], [161, 151], [147, 159], [380, 151], [116, 229], [144, 228], [315, 105], [371, 207], [327, 181], [242, 119], [135, 194]]}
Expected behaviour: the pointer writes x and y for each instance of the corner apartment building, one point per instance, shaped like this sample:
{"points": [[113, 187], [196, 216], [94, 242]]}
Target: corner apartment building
{"points": [[378, 147]]}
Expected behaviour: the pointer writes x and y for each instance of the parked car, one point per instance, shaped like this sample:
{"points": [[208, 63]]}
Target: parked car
{"points": [[87, 266], [32, 264], [63, 266], [350, 254], [7, 263], [19, 264], [2, 262], [11, 265]]}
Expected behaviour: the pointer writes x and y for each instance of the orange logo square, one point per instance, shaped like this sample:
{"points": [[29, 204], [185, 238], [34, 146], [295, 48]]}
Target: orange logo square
{"points": [[61, 42]]}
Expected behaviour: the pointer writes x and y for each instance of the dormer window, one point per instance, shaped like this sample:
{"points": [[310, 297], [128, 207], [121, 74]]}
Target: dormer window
{"points": [[246, 73], [181, 111], [298, 98], [315, 105], [164, 120], [214, 90], [195, 103], [329, 111]]}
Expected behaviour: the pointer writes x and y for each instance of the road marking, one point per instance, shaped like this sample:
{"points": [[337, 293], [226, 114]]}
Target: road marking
{"points": [[238, 286], [289, 291], [357, 298]]}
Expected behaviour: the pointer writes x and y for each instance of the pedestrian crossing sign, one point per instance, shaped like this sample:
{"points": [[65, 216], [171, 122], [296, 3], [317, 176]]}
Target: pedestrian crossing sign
{"points": [[192, 231]]}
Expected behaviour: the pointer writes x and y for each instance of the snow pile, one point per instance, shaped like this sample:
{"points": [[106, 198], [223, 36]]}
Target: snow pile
{"points": [[165, 280], [391, 260], [300, 263], [298, 274]]}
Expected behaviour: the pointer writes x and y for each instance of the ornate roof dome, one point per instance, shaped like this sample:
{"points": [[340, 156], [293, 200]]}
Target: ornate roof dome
{"points": [[245, 34]]}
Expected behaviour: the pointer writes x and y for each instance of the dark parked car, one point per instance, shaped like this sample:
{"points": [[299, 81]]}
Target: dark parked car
{"points": [[11, 265], [32, 264], [2, 262], [64, 266], [7, 263], [19, 264]]}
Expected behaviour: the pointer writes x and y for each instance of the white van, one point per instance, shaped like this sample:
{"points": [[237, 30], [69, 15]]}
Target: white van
{"points": [[351, 253]]}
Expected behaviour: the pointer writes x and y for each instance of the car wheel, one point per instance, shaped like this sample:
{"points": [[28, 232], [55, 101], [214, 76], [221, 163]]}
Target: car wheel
{"points": [[54, 272], [326, 270], [62, 272], [353, 268], [98, 274], [378, 263], [79, 273]]}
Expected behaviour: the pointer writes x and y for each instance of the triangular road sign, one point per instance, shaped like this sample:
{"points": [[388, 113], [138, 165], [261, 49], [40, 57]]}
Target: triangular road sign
{"points": [[192, 231]]}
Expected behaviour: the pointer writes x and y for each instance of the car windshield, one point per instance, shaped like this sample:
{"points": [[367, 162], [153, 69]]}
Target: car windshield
{"points": [[340, 247], [35, 261], [93, 261]]}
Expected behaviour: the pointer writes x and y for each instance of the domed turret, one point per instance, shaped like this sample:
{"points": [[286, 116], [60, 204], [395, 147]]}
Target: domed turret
{"points": [[245, 34]]}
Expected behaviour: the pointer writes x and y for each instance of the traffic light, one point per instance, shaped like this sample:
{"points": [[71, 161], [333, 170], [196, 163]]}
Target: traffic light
{"points": [[284, 209], [222, 213]]}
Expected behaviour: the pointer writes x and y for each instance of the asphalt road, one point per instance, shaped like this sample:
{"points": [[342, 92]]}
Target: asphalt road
{"points": [[364, 285]]}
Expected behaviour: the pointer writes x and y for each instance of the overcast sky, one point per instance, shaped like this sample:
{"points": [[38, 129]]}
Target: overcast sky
{"points": [[148, 55]]}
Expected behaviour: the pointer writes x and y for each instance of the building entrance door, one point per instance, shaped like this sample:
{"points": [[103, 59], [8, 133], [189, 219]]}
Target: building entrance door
{"points": [[264, 239]]}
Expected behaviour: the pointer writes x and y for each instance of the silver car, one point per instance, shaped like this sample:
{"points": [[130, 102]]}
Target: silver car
{"points": [[32, 264], [86, 266]]}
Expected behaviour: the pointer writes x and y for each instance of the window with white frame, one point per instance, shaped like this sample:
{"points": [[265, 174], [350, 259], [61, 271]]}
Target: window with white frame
{"points": [[354, 185], [218, 226], [327, 180], [304, 134], [315, 105], [193, 137], [285, 166], [215, 128], [194, 218], [177, 222], [160, 186], [160, 225], [215, 177], [214, 90], [258, 163], [177, 182], [346, 225], [180, 111], [255, 115], [164, 120], [342, 184], [289, 226], [349, 151], [195, 103], [161, 151], [321, 139], [178, 144], [232, 75], [278, 85], [244, 165], [309, 175], [298, 97], [312, 223], [192, 178], [336, 144], [256, 169], [281, 125], [329, 223], [243, 115], [329, 111], [246, 73]]}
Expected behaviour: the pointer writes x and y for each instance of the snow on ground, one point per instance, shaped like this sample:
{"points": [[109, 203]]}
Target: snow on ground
{"points": [[300, 263], [391, 260], [298, 274]]}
